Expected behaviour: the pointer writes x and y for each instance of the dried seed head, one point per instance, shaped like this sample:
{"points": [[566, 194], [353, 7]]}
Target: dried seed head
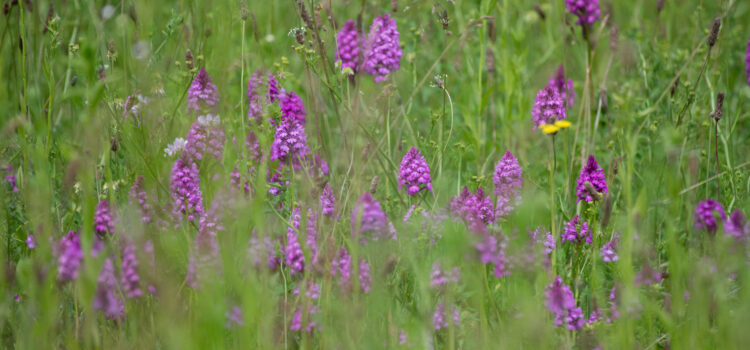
{"points": [[714, 32], [675, 85], [394, 6], [591, 190], [113, 144], [490, 61], [254, 25], [443, 18], [659, 6], [614, 38], [603, 100], [491, 29], [374, 185], [50, 14], [243, 12], [540, 12], [719, 106], [189, 59], [303, 14]]}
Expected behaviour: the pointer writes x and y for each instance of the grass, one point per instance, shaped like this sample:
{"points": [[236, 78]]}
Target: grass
{"points": [[463, 96]]}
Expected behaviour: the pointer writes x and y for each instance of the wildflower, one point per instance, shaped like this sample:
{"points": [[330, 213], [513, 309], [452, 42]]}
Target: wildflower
{"points": [[290, 141], [187, 198], [473, 208], [327, 201], [647, 275], [106, 298], [577, 232], [564, 87], [11, 178], [382, 50], [439, 277], [593, 174], [130, 280], [439, 320], [104, 222], [368, 218], [206, 136], [273, 89], [138, 193], [347, 49], [548, 108], [292, 107], [69, 257], [609, 250], [340, 266], [202, 91], [736, 226], [747, 63], [508, 180], [176, 147], [414, 173], [234, 317], [704, 215], [545, 239], [30, 242], [205, 252], [311, 236], [492, 252], [587, 11], [561, 303], [255, 108], [365, 281], [293, 255]]}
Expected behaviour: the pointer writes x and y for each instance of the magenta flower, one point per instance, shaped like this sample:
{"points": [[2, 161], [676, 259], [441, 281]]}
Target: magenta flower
{"points": [[587, 11], [274, 90], [440, 278], [30, 241], [368, 218], [187, 198], [11, 178], [202, 91], [311, 235], [69, 257], [439, 318], [290, 142], [365, 280], [549, 107], [560, 302], [254, 104], [234, 317], [130, 280], [206, 137], [493, 252], [414, 173], [348, 46], [292, 107], [107, 298], [593, 174], [341, 267], [138, 194], [104, 220], [508, 180], [328, 201], [293, 255], [382, 50], [747, 63], [609, 250], [577, 231], [204, 255], [705, 217], [564, 87], [737, 226], [473, 207]]}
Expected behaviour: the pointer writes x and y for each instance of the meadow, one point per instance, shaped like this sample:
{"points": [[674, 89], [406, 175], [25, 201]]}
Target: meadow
{"points": [[342, 174]]}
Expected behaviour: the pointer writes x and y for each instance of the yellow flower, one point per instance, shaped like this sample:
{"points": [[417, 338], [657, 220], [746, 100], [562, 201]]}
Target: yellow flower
{"points": [[549, 129], [562, 124]]}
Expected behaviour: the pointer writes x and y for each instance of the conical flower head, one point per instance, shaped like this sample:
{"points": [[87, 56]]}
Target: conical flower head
{"points": [[104, 221], [69, 257], [327, 201], [292, 107], [274, 90], [187, 198], [372, 219], [564, 87], [414, 173], [508, 179], [138, 194], [130, 280], [473, 207], [290, 142], [593, 174], [548, 107], [737, 226], [383, 50], [341, 267], [577, 231], [559, 297], [705, 217], [293, 255], [107, 299], [348, 46], [202, 91], [255, 106], [365, 280], [587, 11], [206, 138]]}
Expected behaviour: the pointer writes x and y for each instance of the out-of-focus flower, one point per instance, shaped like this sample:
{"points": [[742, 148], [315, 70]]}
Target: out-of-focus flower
{"points": [[561, 303], [206, 137], [30, 242], [138, 194], [365, 280], [175, 148], [587, 11], [104, 220], [327, 201], [107, 298], [234, 317], [439, 277], [293, 255], [705, 215], [69, 257], [274, 90], [255, 106], [341, 267], [130, 280], [368, 218], [737, 226], [11, 178], [609, 250], [563, 86]]}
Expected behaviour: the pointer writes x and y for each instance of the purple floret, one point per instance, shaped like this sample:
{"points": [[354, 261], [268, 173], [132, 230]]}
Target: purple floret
{"points": [[383, 50], [414, 173]]}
